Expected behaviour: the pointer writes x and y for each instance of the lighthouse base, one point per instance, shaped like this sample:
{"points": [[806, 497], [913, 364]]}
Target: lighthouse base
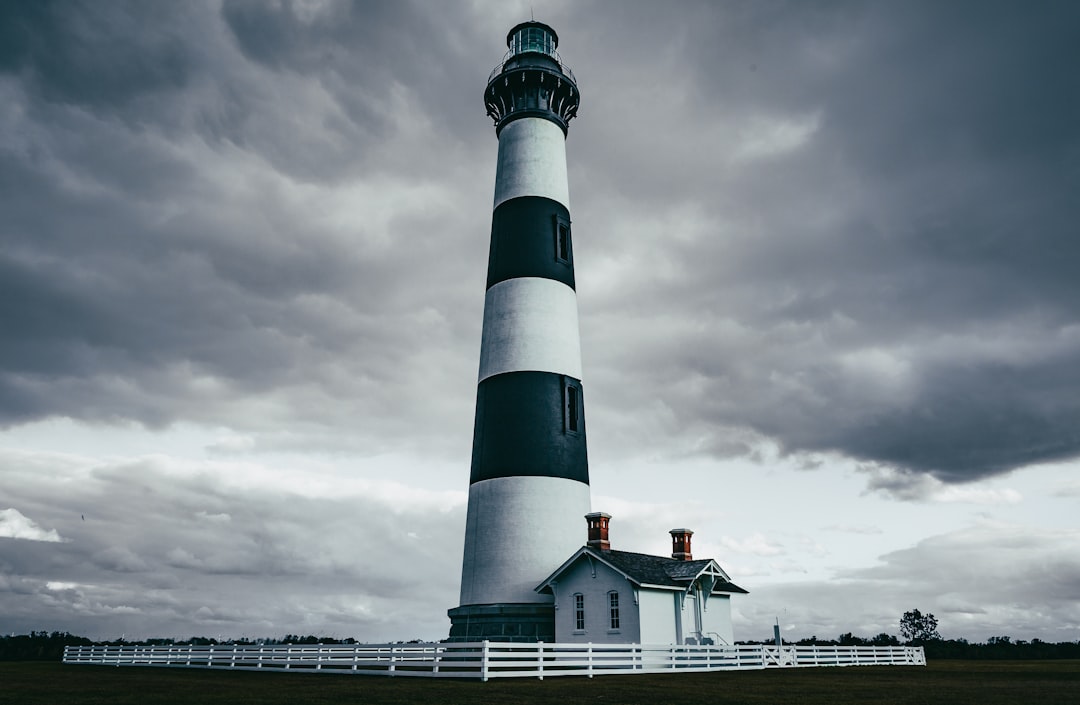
{"points": [[503, 621]]}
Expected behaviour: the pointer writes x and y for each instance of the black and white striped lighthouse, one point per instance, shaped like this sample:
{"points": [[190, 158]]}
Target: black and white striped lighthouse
{"points": [[530, 476]]}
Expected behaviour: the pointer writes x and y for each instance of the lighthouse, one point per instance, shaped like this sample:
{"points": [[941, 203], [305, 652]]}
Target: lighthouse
{"points": [[529, 483]]}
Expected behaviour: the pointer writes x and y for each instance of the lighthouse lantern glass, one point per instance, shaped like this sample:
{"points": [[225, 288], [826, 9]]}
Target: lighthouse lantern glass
{"points": [[532, 39]]}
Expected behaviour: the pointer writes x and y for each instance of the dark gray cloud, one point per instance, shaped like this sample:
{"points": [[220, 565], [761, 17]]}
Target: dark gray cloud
{"points": [[98, 56], [165, 256], [840, 228], [857, 227], [957, 576], [159, 548]]}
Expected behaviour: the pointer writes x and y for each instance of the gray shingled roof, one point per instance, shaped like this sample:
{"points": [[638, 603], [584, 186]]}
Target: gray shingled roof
{"points": [[657, 570]]}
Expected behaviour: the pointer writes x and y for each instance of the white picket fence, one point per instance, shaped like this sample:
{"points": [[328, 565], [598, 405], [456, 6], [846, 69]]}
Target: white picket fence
{"points": [[488, 659]]}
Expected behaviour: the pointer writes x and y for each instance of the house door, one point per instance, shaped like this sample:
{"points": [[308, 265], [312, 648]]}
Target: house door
{"points": [[691, 620]]}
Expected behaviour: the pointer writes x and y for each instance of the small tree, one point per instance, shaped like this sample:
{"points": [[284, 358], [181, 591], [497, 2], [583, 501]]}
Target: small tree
{"points": [[916, 626], [884, 639]]}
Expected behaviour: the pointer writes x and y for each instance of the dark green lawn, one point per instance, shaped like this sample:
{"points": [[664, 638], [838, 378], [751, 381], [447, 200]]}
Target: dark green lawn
{"points": [[944, 682]]}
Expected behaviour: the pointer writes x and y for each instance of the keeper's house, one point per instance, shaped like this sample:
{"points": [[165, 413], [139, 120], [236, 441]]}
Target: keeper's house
{"points": [[606, 596]]}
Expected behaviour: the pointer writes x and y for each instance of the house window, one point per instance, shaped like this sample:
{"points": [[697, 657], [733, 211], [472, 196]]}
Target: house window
{"points": [[579, 612], [562, 240], [613, 606], [572, 401]]}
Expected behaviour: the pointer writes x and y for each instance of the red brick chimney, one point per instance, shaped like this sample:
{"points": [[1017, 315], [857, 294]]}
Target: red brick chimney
{"points": [[598, 530], [680, 544]]}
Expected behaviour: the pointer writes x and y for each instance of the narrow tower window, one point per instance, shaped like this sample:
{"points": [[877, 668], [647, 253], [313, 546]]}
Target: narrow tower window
{"points": [[562, 240], [613, 605], [579, 612], [572, 398]]}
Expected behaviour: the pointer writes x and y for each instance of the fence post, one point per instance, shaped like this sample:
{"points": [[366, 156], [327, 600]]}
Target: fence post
{"points": [[540, 660], [391, 671], [484, 662], [589, 660]]}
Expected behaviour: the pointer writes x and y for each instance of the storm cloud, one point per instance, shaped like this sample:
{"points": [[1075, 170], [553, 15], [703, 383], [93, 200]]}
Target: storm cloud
{"points": [[182, 549], [844, 228], [830, 234], [859, 233]]}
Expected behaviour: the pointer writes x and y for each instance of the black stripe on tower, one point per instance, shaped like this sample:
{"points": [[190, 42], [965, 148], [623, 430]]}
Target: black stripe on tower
{"points": [[530, 237], [530, 423]]}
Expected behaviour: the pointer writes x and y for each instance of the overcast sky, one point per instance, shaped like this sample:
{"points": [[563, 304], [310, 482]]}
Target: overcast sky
{"points": [[827, 261]]}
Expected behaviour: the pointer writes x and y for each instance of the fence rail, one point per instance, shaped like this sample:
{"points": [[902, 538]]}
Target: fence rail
{"points": [[486, 660]]}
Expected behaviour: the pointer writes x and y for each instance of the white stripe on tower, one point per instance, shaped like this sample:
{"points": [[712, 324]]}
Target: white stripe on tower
{"points": [[530, 323], [521, 509], [529, 485], [532, 162]]}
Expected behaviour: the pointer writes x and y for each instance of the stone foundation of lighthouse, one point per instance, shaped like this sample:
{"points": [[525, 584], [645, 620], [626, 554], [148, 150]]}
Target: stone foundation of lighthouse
{"points": [[529, 485]]}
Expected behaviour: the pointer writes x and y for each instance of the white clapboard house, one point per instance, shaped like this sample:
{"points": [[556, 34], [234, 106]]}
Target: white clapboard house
{"points": [[607, 596]]}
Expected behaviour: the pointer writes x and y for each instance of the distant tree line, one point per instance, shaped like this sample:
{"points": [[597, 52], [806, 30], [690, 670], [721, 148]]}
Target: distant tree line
{"points": [[996, 647], [38, 646], [1002, 648], [46, 646], [920, 629]]}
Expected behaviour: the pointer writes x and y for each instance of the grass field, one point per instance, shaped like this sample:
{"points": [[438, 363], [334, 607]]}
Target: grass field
{"points": [[945, 682]]}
